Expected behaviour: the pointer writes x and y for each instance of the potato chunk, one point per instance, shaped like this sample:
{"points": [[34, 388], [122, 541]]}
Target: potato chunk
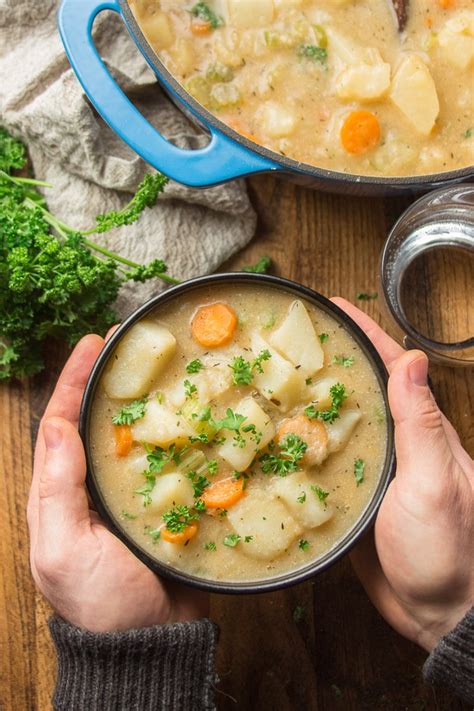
{"points": [[159, 30], [297, 341], [367, 81], [276, 120], [161, 426], [170, 490], [240, 458], [260, 515], [414, 93], [456, 40], [248, 14], [340, 431], [280, 382], [139, 358], [302, 502], [320, 392]]}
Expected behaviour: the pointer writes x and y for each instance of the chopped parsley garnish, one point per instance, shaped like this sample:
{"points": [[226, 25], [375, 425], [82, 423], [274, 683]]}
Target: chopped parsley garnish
{"points": [[211, 546], [299, 613], [202, 438], [345, 361], [243, 369], [178, 518], [292, 449], [199, 483], [313, 52], [247, 539], [200, 506], [363, 296], [222, 513], [261, 267], [320, 493], [469, 133], [147, 488], [308, 381], [359, 469], [194, 366], [231, 540], [131, 413], [303, 544], [154, 533], [212, 467], [190, 389], [338, 395], [232, 421], [129, 516], [323, 337], [301, 498], [158, 457], [270, 322], [203, 12]]}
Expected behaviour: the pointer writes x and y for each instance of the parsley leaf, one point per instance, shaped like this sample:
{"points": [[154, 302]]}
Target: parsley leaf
{"points": [[292, 450], [154, 533], [362, 296], [194, 366], [211, 546], [12, 152], [468, 133], [301, 498], [199, 483], [320, 493], [203, 12], [131, 413], [359, 469], [212, 467], [323, 337], [232, 421], [190, 389], [247, 539], [178, 518], [231, 540], [243, 369], [145, 196], [261, 267], [128, 516], [338, 395], [303, 544], [345, 361]]}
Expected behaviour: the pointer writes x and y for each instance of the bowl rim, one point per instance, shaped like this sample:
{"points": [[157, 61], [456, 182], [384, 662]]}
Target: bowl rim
{"points": [[363, 523], [206, 118]]}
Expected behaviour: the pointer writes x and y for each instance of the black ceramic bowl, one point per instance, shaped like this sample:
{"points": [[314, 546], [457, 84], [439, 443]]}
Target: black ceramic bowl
{"points": [[352, 536]]}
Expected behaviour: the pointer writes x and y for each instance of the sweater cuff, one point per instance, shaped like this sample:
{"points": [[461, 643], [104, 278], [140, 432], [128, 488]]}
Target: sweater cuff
{"points": [[451, 663], [161, 667]]}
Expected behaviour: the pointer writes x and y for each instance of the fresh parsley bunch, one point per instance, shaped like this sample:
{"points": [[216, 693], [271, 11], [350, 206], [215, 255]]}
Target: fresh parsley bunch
{"points": [[54, 281]]}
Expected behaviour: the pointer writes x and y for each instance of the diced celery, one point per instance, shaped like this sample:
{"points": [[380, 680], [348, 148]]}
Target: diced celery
{"points": [[320, 36], [199, 417], [219, 73], [223, 95], [192, 460], [199, 87]]}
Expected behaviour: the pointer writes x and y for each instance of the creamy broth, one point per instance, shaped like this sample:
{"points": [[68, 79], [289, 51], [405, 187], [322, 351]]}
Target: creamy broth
{"points": [[328, 487], [294, 75]]}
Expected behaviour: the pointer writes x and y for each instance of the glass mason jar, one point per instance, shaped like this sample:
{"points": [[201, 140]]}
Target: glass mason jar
{"points": [[441, 220]]}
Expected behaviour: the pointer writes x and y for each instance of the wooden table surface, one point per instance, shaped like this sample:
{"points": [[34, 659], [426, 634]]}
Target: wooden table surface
{"points": [[341, 655]]}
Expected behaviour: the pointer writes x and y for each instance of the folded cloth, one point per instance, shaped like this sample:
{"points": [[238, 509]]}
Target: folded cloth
{"points": [[93, 170]]}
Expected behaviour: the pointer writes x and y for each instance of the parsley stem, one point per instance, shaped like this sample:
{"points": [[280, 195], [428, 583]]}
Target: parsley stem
{"points": [[24, 181]]}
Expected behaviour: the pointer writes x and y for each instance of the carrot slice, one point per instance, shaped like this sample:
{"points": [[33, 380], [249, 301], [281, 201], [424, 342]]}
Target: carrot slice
{"points": [[199, 28], [182, 537], [224, 493], [214, 325], [123, 440], [360, 132], [447, 4]]}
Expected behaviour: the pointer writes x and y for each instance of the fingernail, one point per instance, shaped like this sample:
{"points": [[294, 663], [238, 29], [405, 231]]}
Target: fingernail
{"points": [[53, 435], [418, 371]]}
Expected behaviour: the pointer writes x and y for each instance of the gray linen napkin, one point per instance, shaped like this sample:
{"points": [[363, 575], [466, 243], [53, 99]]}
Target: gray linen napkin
{"points": [[91, 169]]}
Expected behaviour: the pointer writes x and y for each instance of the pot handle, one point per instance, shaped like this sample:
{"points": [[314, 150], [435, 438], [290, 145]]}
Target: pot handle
{"points": [[221, 160]]}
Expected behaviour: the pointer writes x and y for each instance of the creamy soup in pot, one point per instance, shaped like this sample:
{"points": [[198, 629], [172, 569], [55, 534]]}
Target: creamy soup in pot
{"points": [[238, 433], [333, 83]]}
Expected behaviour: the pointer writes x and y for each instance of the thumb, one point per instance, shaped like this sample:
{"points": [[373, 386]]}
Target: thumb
{"points": [[63, 504], [420, 439]]}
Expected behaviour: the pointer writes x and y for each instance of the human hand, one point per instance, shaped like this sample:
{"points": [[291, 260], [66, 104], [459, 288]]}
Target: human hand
{"points": [[419, 574], [87, 574]]}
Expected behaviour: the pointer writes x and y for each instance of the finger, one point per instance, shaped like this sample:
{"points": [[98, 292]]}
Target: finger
{"points": [[420, 439], [65, 402], [388, 349], [111, 332], [62, 501]]}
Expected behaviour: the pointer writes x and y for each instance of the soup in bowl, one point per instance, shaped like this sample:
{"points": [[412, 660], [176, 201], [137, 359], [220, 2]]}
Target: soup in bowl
{"points": [[237, 433]]}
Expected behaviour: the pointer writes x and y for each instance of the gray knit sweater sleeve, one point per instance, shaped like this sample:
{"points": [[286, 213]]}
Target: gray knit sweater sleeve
{"points": [[169, 667], [451, 663]]}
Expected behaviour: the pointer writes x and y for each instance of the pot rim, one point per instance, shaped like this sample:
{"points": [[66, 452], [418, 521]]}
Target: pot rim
{"points": [[205, 119], [369, 513]]}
